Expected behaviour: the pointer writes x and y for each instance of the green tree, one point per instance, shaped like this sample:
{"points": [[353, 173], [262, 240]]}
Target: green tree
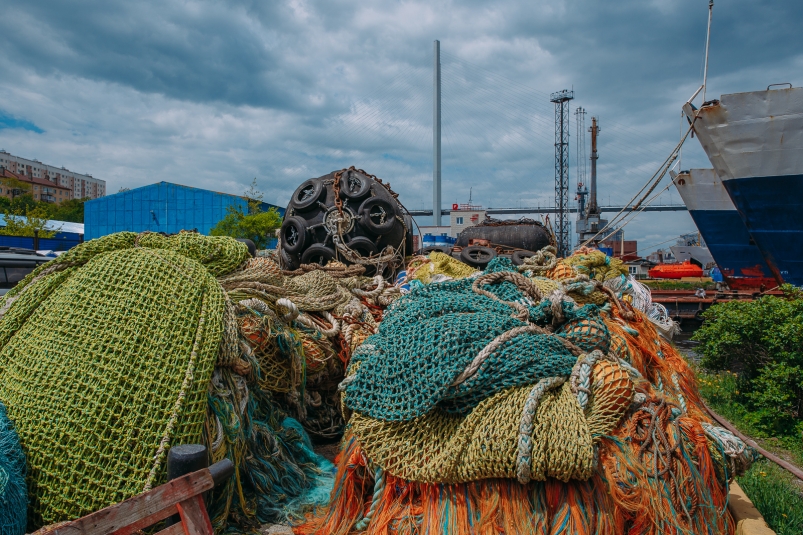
{"points": [[35, 220], [70, 210], [22, 203], [256, 224]]}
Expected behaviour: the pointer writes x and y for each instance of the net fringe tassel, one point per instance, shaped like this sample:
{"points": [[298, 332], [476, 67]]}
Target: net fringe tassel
{"points": [[659, 362], [620, 497]]}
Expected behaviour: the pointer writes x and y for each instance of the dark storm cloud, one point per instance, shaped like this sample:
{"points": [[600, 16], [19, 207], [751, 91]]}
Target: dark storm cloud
{"points": [[213, 93], [201, 52]]}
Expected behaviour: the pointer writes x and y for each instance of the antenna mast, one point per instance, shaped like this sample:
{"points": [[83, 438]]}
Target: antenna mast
{"points": [[436, 137], [707, 42]]}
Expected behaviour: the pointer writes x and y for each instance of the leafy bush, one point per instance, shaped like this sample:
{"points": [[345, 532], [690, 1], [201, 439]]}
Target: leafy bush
{"points": [[721, 392], [762, 342], [255, 224], [69, 210], [33, 222]]}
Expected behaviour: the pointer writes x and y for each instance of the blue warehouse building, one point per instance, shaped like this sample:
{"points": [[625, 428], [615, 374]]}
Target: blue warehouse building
{"points": [[162, 207]]}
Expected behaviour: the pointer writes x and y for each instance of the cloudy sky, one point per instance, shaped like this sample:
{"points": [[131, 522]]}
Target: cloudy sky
{"points": [[214, 93]]}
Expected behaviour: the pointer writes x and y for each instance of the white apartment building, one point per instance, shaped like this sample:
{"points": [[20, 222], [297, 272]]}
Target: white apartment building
{"points": [[81, 186]]}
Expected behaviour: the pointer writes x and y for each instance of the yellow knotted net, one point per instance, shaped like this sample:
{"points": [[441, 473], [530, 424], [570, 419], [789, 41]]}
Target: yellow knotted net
{"points": [[439, 447], [441, 264]]}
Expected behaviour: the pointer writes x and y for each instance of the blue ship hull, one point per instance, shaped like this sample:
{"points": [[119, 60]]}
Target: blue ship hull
{"points": [[754, 140], [772, 209], [738, 258]]}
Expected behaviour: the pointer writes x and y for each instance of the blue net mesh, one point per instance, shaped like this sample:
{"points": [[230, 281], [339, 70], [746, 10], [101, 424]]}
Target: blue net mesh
{"points": [[13, 493]]}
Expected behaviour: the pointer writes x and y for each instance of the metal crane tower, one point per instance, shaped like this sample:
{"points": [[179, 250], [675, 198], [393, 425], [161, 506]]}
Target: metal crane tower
{"points": [[590, 223], [561, 100], [580, 162], [593, 207]]}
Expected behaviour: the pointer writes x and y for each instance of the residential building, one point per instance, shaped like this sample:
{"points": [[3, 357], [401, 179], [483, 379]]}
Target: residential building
{"points": [[81, 186], [39, 188]]}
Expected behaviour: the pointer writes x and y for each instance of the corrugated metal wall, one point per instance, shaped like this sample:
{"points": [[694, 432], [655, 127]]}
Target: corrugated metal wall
{"points": [[162, 207]]}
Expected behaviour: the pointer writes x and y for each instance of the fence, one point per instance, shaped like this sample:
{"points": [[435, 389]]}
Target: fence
{"points": [[62, 241]]}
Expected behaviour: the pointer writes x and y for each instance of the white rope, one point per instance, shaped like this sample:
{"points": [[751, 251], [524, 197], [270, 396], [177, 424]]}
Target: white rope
{"points": [[503, 338], [292, 309], [732, 445], [307, 321], [524, 453]]}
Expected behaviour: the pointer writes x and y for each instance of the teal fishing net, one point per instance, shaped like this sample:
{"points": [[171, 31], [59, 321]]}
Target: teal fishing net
{"points": [[13, 494], [428, 339]]}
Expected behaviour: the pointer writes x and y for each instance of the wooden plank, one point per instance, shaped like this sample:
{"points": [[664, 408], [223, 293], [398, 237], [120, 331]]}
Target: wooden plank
{"points": [[148, 521], [748, 519], [115, 518], [175, 529], [194, 517]]}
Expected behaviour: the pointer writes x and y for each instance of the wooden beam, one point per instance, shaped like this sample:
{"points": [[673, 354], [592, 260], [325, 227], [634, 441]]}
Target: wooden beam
{"points": [[148, 521], [194, 517], [748, 519], [126, 517], [175, 529]]}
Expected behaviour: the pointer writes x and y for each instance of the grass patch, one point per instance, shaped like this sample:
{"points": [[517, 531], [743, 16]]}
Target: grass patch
{"points": [[678, 285], [721, 393], [774, 491]]}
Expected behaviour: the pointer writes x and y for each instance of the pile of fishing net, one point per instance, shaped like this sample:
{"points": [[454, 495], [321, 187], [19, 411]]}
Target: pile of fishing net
{"points": [[129, 344], [532, 399]]}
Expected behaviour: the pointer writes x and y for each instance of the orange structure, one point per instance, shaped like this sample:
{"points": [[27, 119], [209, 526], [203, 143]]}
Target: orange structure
{"points": [[676, 271]]}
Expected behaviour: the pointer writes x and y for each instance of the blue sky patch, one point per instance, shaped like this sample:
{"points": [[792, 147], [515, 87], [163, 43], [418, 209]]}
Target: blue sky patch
{"points": [[9, 121]]}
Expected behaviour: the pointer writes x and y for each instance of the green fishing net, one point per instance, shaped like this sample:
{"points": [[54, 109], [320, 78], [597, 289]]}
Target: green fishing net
{"points": [[106, 355]]}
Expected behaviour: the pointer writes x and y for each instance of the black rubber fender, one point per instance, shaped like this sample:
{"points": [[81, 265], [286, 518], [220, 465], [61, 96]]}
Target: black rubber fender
{"points": [[519, 256], [293, 234], [408, 236], [477, 256], [377, 215], [252, 248], [436, 249], [307, 195], [317, 254], [289, 262], [354, 185], [365, 247]]}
